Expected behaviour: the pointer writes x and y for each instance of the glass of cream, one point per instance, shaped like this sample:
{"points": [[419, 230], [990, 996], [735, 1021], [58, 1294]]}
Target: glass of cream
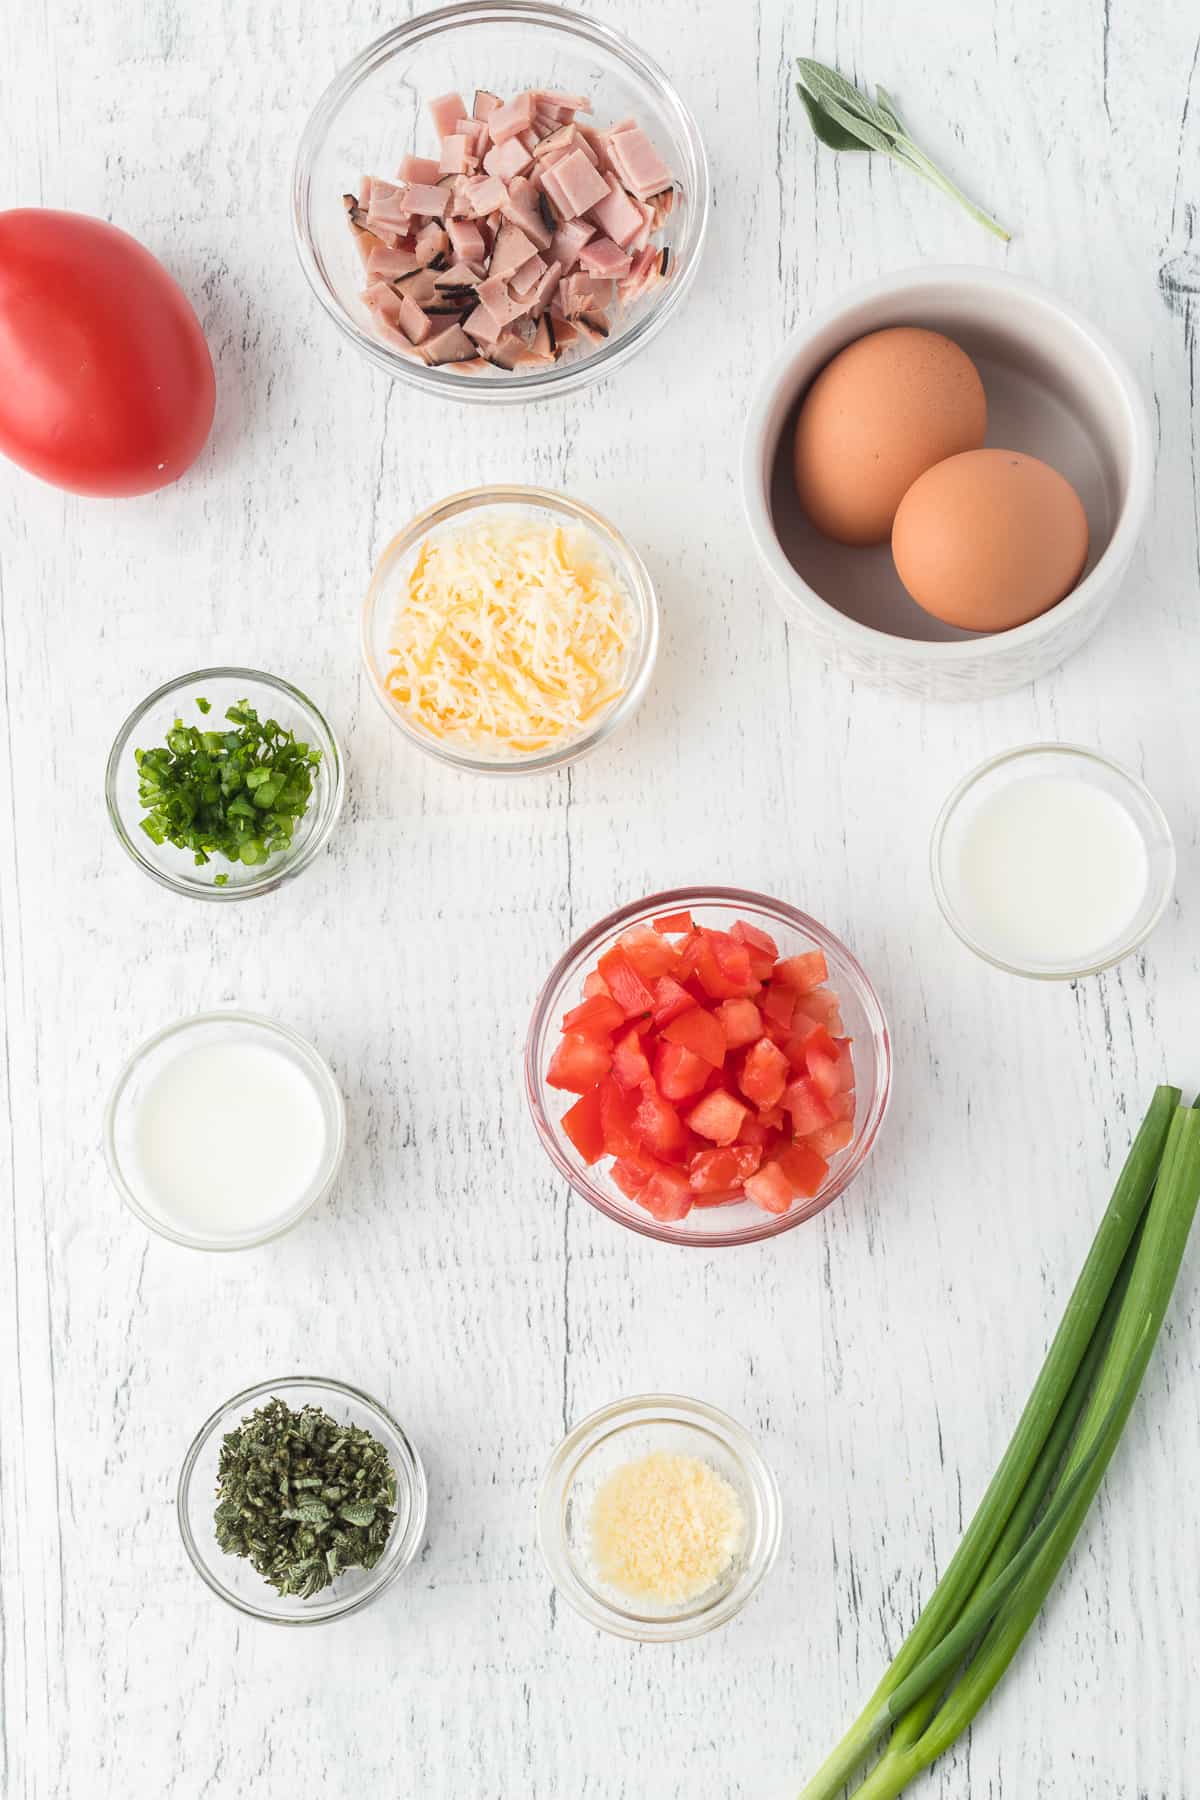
{"points": [[1052, 862], [223, 1130]]}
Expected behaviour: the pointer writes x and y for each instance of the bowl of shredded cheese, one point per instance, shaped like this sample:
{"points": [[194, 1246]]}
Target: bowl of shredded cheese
{"points": [[509, 630], [658, 1518]]}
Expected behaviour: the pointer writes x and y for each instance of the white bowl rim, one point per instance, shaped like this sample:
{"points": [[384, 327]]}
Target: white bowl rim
{"points": [[916, 651]]}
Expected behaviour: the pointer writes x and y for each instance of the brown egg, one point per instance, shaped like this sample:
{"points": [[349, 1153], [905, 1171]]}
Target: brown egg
{"points": [[990, 539], [882, 412]]}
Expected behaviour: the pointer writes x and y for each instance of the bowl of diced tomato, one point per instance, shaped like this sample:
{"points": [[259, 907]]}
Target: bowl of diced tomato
{"points": [[708, 1066]]}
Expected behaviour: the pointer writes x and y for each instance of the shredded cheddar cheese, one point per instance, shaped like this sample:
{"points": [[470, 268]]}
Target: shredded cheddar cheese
{"points": [[513, 635], [666, 1527]]}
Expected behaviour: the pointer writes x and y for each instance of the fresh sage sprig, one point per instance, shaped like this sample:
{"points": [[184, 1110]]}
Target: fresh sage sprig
{"points": [[844, 119]]}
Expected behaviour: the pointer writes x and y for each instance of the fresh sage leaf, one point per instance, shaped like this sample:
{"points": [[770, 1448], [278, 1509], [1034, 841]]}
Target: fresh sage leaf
{"points": [[844, 118]]}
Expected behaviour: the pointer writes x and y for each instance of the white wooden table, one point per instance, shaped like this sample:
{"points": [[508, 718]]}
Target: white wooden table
{"points": [[880, 1353]]}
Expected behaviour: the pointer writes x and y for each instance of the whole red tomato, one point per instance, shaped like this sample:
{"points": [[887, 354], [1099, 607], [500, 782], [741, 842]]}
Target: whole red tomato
{"points": [[106, 383]]}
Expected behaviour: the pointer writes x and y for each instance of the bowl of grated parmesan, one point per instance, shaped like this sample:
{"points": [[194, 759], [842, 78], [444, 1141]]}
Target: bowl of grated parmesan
{"points": [[658, 1518], [509, 630]]}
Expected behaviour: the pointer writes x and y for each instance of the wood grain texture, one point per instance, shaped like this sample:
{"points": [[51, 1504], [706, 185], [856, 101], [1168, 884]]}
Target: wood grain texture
{"points": [[880, 1353]]}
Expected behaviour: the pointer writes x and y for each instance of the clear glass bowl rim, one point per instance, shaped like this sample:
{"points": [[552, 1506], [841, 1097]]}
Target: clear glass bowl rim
{"points": [[643, 596], [649, 1409], [771, 1224], [413, 1473], [558, 379], [222, 1015], [1068, 751], [279, 868]]}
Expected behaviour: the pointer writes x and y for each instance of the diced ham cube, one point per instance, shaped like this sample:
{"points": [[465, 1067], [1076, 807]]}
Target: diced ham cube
{"points": [[384, 264], [486, 194], [431, 242], [507, 159], [485, 104], [390, 334], [415, 325], [637, 163], [522, 209], [579, 182], [617, 214], [569, 240], [603, 257], [511, 250], [382, 299], [503, 306], [506, 121], [388, 210], [482, 325], [580, 294], [508, 350], [564, 332], [428, 201], [546, 289], [467, 240], [419, 168], [449, 345], [476, 133], [456, 156], [460, 276], [573, 102], [445, 111], [527, 277]]}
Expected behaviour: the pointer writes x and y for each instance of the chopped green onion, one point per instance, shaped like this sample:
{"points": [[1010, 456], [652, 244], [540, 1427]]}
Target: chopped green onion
{"points": [[236, 794]]}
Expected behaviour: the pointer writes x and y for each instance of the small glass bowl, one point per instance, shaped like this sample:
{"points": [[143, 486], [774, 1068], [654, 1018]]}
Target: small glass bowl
{"points": [[1075, 763], [392, 571], [147, 1062], [711, 1227], [146, 728], [232, 1577], [375, 111], [623, 1433]]}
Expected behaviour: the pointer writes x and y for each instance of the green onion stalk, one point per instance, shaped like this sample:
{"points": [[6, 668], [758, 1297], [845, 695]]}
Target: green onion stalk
{"points": [[1010, 1554]]}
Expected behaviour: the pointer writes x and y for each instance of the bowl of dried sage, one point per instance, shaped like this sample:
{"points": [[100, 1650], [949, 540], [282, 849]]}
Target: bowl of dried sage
{"points": [[301, 1500]]}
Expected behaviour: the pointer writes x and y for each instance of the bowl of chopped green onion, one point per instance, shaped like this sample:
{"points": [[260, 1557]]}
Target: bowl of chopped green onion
{"points": [[224, 783]]}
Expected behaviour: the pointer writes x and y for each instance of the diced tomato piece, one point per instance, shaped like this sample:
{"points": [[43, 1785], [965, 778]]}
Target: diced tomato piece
{"points": [[718, 1116], [770, 1189], [582, 1125], [755, 1133], [842, 1104], [629, 1178], [773, 1118], [808, 1107], [578, 1063], [624, 983], [741, 1022], [832, 1138], [679, 1072], [823, 1073], [804, 972], [659, 1125], [676, 924], [754, 939], [793, 1045], [596, 1017], [722, 1171], [698, 1030], [764, 1073], [804, 1168], [617, 1110], [629, 1061], [594, 984], [667, 1195], [778, 1004], [670, 999], [733, 959], [650, 955], [821, 1005]]}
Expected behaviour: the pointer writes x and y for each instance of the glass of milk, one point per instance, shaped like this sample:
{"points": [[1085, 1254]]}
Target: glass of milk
{"points": [[223, 1130], [1051, 861]]}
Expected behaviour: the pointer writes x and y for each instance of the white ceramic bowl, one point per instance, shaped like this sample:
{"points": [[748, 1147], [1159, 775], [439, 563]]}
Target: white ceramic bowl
{"points": [[1056, 389]]}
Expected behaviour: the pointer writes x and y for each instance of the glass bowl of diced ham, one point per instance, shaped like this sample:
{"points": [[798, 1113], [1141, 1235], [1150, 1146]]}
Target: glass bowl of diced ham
{"points": [[708, 1066], [500, 202]]}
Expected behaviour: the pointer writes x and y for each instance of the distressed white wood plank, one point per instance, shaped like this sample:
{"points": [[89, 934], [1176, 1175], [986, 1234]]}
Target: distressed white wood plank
{"points": [[882, 1352]]}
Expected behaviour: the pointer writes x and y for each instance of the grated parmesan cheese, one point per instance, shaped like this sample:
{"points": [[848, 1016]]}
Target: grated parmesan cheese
{"points": [[513, 635], [666, 1527]]}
